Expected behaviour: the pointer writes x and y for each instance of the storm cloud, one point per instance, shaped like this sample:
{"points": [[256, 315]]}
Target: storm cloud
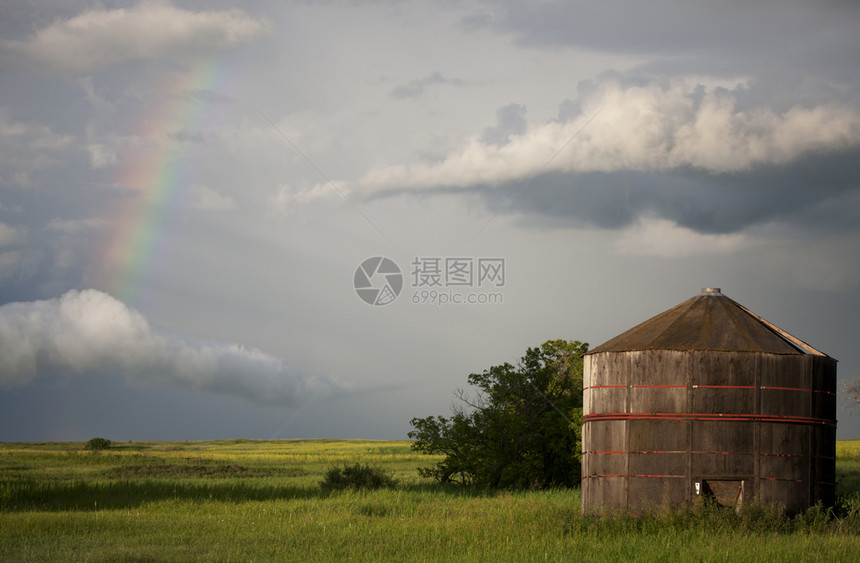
{"points": [[679, 153], [740, 36], [702, 202]]}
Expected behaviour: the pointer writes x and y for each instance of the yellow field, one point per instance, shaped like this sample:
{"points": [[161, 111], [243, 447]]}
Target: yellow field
{"points": [[848, 448]]}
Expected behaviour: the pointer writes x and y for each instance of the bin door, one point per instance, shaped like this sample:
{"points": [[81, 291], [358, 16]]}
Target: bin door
{"points": [[726, 492]]}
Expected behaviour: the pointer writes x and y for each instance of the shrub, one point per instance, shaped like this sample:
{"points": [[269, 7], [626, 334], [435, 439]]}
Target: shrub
{"points": [[814, 520], [356, 477], [98, 444]]}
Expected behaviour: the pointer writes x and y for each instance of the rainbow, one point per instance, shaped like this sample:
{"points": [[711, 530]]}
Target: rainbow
{"points": [[157, 170]]}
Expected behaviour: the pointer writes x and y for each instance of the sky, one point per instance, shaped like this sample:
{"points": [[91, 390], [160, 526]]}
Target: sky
{"points": [[301, 219]]}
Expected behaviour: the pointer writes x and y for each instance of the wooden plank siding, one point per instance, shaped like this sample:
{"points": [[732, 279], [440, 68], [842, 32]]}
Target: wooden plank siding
{"points": [[659, 421]]}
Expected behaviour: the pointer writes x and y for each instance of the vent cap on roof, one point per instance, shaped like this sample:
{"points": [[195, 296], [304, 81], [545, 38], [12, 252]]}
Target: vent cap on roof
{"points": [[711, 291]]}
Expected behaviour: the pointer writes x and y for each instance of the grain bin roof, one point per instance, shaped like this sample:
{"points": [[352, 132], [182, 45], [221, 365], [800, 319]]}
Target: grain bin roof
{"points": [[709, 321]]}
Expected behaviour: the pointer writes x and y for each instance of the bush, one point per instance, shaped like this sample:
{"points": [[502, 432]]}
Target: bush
{"points": [[98, 444], [356, 477]]}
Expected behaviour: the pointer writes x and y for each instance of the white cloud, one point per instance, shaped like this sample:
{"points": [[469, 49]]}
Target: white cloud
{"points": [[85, 332], [99, 38], [208, 199], [418, 87], [31, 135], [71, 226], [10, 236], [101, 155], [644, 128], [666, 239], [27, 148], [69, 239], [288, 199]]}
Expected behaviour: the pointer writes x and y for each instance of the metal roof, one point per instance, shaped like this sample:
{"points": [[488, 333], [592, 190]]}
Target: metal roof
{"points": [[708, 321]]}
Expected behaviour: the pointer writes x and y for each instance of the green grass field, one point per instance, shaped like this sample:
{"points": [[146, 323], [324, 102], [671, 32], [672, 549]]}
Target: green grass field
{"points": [[241, 500]]}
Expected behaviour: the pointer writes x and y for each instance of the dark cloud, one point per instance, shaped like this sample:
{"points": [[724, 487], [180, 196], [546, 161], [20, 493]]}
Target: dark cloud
{"points": [[805, 193], [817, 193], [673, 27], [64, 217], [510, 120], [772, 39]]}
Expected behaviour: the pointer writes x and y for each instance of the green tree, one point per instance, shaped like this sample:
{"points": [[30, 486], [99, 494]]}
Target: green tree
{"points": [[518, 429]]}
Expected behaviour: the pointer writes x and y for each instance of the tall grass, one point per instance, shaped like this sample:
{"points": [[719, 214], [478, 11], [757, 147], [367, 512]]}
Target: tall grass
{"points": [[244, 500]]}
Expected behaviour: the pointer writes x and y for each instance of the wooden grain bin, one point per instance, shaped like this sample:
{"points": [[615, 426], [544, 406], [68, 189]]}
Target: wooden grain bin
{"points": [[707, 399]]}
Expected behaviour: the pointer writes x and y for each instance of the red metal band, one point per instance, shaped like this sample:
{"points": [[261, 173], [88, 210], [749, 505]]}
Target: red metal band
{"points": [[765, 387], [709, 417], [652, 476], [789, 389], [598, 452], [638, 452]]}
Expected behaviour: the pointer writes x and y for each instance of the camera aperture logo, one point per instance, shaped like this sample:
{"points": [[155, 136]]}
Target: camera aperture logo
{"points": [[378, 280], [435, 280]]}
